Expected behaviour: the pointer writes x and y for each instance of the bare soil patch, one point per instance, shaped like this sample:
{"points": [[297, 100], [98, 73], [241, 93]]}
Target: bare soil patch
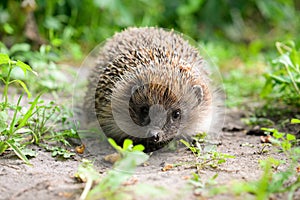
{"points": [[50, 178]]}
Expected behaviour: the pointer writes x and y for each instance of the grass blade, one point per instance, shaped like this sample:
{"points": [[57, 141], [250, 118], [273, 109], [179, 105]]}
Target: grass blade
{"points": [[17, 151], [28, 113]]}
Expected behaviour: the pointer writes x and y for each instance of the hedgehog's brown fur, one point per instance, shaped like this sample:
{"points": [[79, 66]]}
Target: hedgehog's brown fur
{"points": [[144, 78]]}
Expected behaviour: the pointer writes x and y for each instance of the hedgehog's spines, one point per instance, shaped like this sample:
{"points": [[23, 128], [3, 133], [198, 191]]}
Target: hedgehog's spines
{"points": [[171, 73]]}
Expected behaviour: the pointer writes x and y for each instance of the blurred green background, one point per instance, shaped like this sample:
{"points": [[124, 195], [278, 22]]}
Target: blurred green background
{"points": [[238, 35], [61, 23]]}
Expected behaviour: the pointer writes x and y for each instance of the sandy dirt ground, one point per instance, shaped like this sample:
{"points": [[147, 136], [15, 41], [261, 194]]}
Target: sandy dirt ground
{"points": [[50, 178]]}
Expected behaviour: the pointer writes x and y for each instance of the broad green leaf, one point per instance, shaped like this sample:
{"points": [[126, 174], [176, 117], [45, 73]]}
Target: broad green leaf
{"points": [[29, 152], [277, 135], [114, 145], [290, 137], [8, 28], [23, 66], [20, 47], [4, 59], [295, 121], [127, 144], [138, 147]]}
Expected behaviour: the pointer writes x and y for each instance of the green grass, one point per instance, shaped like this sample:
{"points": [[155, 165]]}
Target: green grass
{"points": [[10, 128], [43, 62], [283, 80], [241, 71], [21, 125], [272, 181]]}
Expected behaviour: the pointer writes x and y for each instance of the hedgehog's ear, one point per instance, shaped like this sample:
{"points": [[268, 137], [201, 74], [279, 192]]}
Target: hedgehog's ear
{"points": [[199, 92]]}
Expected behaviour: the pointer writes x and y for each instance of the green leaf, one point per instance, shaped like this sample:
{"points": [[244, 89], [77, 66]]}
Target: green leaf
{"points": [[295, 57], [138, 147], [8, 28], [295, 121], [20, 47], [23, 86], [290, 137], [286, 145], [127, 145], [54, 153], [185, 143], [268, 87], [3, 146], [279, 79], [4, 59], [23, 66], [277, 134], [29, 152], [221, 161], [17, 151], [52, 23], [114, 145]]}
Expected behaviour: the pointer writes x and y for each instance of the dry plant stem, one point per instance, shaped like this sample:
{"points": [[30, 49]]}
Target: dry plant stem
{"points": [[87, 188]]}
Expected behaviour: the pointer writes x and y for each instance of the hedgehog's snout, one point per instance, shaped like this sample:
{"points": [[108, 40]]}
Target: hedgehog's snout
{"points": [[158, 116], [155, 135]]}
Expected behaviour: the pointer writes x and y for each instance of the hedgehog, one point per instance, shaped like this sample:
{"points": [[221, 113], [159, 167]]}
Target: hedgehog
{"points": [[151, 85]]}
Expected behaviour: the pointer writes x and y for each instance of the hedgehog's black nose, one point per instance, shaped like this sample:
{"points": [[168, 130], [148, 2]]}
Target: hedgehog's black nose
{"points": [[155, 135]]}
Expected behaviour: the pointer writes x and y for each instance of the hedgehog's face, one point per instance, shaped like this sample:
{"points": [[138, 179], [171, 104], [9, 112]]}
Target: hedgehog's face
{"points": [[157, 110], [152, 109]]}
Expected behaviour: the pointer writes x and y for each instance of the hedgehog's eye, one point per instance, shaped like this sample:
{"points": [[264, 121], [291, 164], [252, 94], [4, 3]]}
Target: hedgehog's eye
{"points": [[144, 111], [176, 114]]}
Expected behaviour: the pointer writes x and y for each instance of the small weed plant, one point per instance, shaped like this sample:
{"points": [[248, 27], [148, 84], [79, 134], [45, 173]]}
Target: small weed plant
{"points": [[10, 128], [201, 186], [43, 61], [283, 82], [272, 182], [204, 157], [110, 186], [20, 126]]}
